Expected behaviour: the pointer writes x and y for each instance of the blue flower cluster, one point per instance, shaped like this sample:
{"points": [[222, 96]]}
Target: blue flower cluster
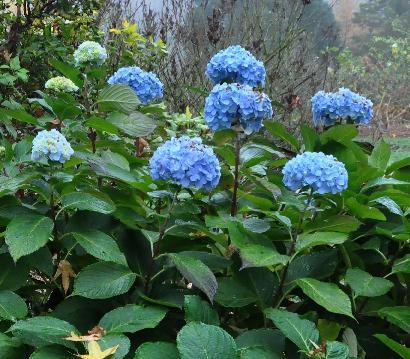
{"points": [[146, 85], [187, 162], [229, 103], [327, 107], [90, 52], [322, 173], [51, 144], [235, 64]]}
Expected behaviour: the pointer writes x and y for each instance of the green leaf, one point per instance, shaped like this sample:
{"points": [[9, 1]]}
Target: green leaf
{"points": [[19, 115], [68, 71], [399, 316], [96, 202], [382, 181], [202, 341], [256, 255], [100, 245], [310, 137], [197, 273], [256, 225], [336, 350], [12, 306], [268, 339], [101, 124], [380, 156], [198, 310], [118, 97], [41, 331], [402, 265], [306, 240], [341, 134], [365, 285], [10, 348], [401, 350], [135, 124], [258, 353], [52, 352], [279, 130], [12, 276], [157, 350], [339, 223], [132, 318], [103, 280], [328, 295], [112, 340], [26, 234], [392, 206], [328, 330], [363, 211], [301, 332]]}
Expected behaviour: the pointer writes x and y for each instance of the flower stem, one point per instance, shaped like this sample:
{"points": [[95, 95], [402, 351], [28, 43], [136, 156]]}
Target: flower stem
{"points": [[234, 204]]}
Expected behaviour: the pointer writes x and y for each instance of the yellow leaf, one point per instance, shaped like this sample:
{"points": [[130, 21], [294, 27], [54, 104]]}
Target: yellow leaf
{"points": [[115, 31], [188, 112], [94, 351]]}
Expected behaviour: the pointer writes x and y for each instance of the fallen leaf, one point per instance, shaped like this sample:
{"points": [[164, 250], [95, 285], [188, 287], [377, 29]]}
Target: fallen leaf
{"points": [[65, 270]]}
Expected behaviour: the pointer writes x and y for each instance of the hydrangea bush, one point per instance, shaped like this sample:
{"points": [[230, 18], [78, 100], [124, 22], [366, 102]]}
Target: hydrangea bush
{"points": [[121, 241], [90, 53]]}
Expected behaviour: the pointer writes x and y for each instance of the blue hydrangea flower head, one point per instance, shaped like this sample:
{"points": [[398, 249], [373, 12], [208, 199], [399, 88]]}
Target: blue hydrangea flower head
{"points": [[52, 145], [90, 53], [146, 85], [322, 173], [235, 64], [187, 162], [228, 103], [327, 107]]}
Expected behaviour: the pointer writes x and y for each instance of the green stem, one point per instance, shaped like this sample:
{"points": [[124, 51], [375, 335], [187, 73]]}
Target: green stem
{"points": [[234, 203], [345, 255]]}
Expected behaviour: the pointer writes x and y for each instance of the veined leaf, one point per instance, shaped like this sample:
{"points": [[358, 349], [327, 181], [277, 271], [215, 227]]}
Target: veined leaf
{"points": [[305, 241], [399, 316], [328, 295], [364, 284]]}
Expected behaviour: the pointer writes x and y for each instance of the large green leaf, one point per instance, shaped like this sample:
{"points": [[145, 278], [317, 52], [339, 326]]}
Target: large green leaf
{"points": [[12, 276], [158, 350], [401, 350], [328, 295], [19, 115], [364, 284], [258, 353], [85, 201], [135, 124], [10, 348], [343, 134], [118, 97], [271, 340], [202, 341], [306, 241], [26, 234], [380, 156], [103, 280], [399, 316], [256, 255], [114, 339], [338, 223], [12, 306], [52, 352], [301, 332], [279, 130], [198, 310], [402, 265], [100, 245], [132, 318], [336, 350], [68, 71], [41, 331], [196, 272], [364, 211], [310, 137]]}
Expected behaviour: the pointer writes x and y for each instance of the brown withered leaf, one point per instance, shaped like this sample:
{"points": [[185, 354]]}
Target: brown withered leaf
{"points": [[65, 270]]}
